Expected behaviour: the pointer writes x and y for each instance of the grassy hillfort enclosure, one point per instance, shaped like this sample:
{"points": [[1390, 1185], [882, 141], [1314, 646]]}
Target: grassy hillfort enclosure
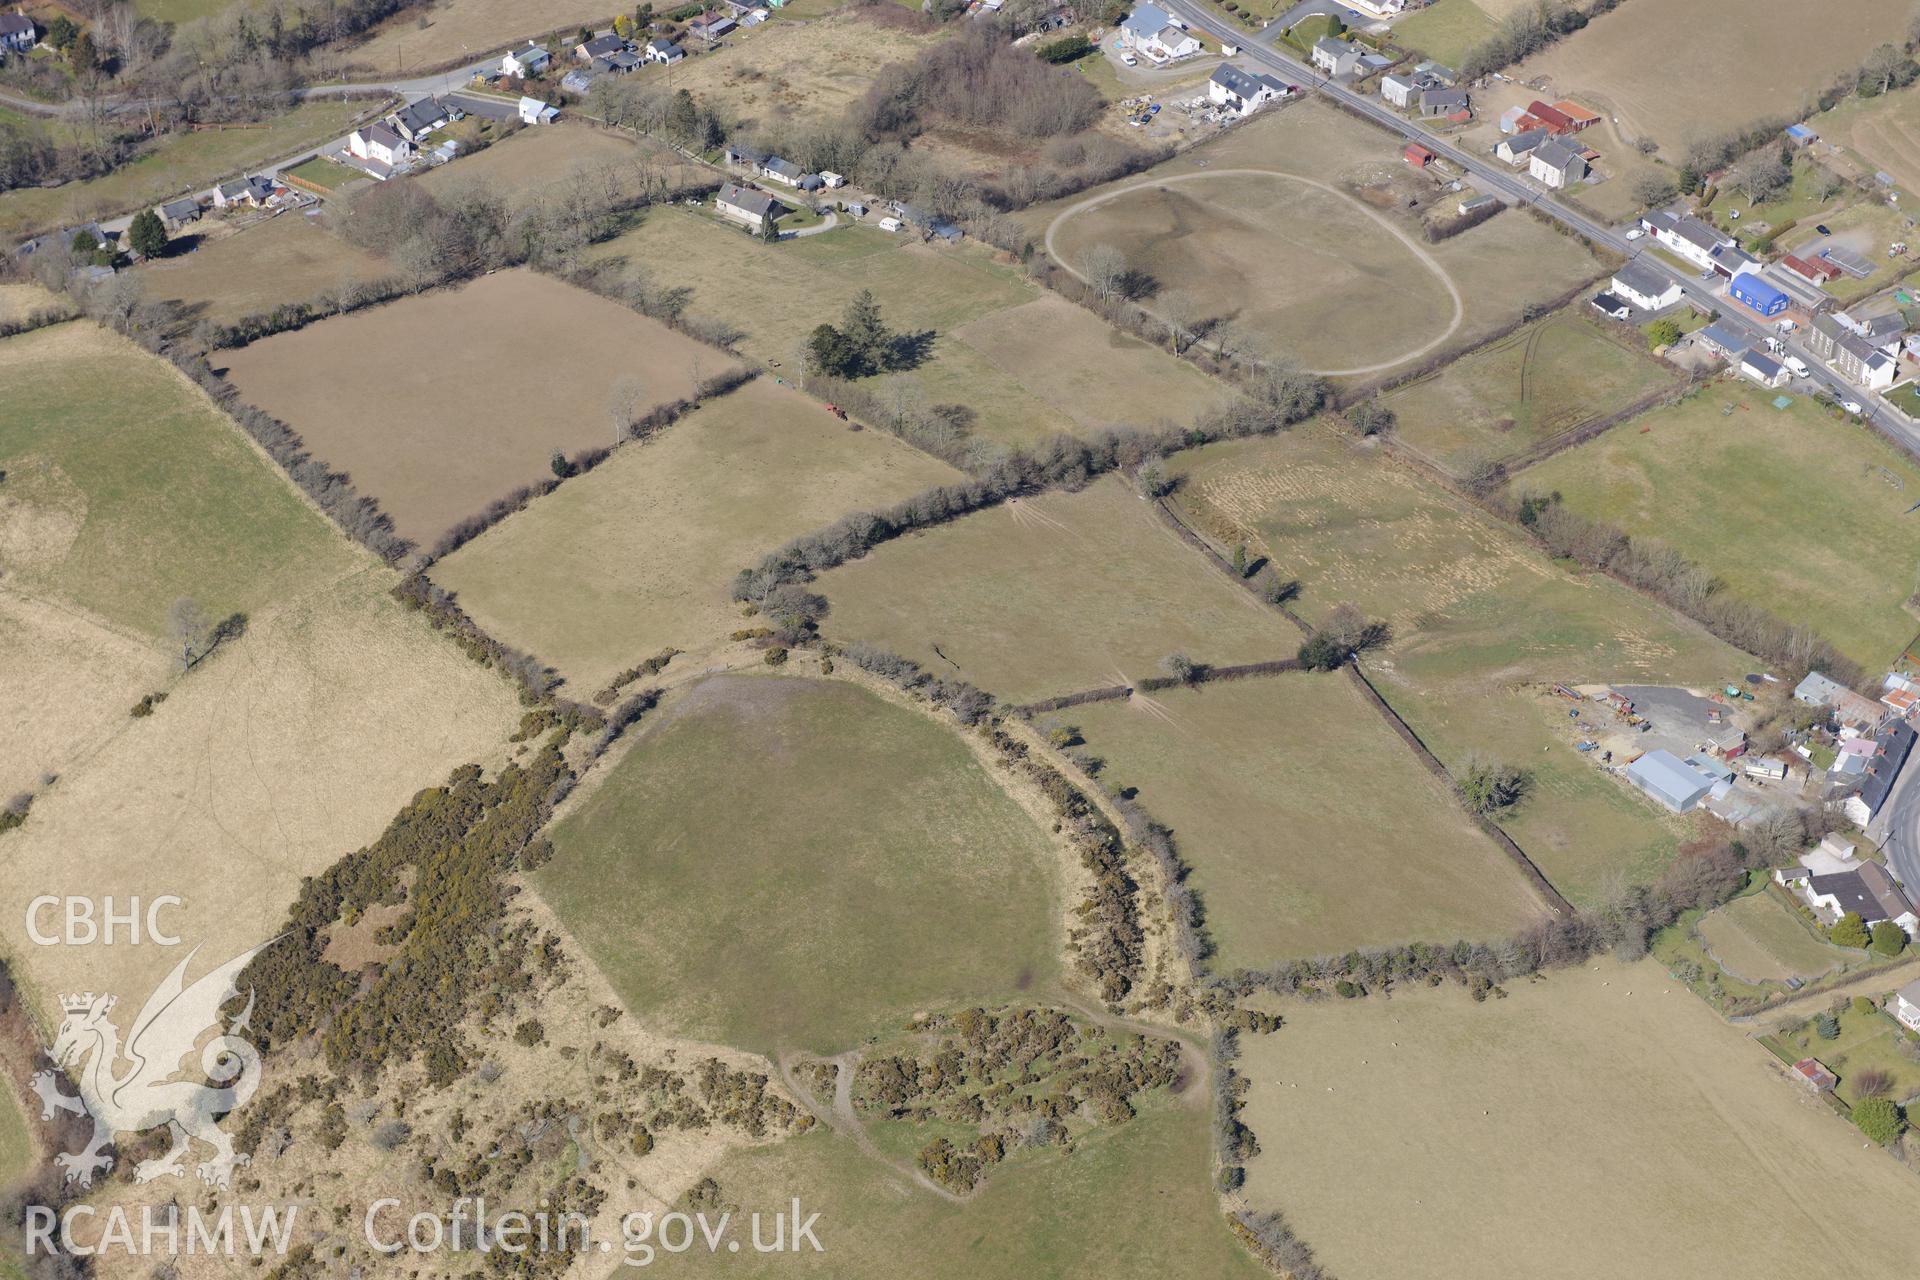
{"points": [[1105, 591], [640, 553], [1260, 782], [1762, 65], [1677, 475], [875, 868], [1683, 1128], [426, 401], [1483, 622]]}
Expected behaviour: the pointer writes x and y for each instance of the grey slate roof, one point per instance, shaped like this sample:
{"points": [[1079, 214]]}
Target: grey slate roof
{"points": [[758, 203], [1643, 279]]}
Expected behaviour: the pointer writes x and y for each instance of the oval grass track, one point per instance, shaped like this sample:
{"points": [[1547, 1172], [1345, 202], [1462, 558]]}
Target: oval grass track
{"points": [[1412, 246]]}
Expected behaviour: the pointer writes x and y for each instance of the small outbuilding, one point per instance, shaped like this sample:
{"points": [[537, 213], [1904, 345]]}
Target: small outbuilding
{"points": [[1416, 155]]}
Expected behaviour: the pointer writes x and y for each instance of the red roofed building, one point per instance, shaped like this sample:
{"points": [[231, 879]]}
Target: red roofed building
{"points": [[1579, 115], [1417, 156], [1818, 270], [1552, 119], [1816, 1077]]}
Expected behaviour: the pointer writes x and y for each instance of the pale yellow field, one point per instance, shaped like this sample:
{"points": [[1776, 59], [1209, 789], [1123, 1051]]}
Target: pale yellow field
{"points": [[1724, 64], [1599, 1123], [289, 748], [459, 29]]}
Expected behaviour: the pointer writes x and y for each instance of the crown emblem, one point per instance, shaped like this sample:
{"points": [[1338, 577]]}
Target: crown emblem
{"points": [[81, 1003]]}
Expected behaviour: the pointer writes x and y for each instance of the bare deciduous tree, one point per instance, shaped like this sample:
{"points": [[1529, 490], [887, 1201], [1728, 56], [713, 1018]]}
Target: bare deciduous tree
{"points": [[1105, 268]]}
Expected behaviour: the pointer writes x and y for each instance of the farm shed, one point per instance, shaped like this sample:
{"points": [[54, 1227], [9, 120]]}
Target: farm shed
{"points": [[1669, 780], [1758, 294], [1416, 155], [1801, 135], [1810, 1073]]}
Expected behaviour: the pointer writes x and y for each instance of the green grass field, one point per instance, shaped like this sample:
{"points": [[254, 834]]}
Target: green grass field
{"points": [[1131, 1201], [1102, 592], [126, 489], [1782, 504], [1027, 364], [1482, 622], [1867, 1041], [1445, 30], [1508, 397], [1294, 855], [640, 553], [178, 163], [328, 175], [801, 864]]}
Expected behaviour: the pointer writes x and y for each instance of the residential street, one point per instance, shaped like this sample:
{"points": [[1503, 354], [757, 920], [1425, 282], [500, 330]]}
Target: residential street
{"points": [[1897, 828]]}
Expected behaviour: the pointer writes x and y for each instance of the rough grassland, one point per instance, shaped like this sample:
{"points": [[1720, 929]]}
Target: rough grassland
{"points": [[1596, 1124], [1048, 595], [640, 553], [178, 163], [1020, 392], [1130, 1203], [291, 258], [1883, 131], [801, 864], [126, 489], [1527, 388], [440, 403], [1783, 504], [18, 301], [459, 28], [1256, 778], [1770, 59], [1218, 236], [1481, 619], [289, 748], [1758, 938]]}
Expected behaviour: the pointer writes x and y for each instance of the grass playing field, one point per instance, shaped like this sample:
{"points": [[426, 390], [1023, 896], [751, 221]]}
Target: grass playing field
{"points": [[1758, 938], [1660, 1115], [177, 163], [1506, 398], [1103, 592], [1257, 779], [464, 419], [126, 489], [876, 869], [1482, 623], [1779, 503], [640, 553], [1131, 1201]]}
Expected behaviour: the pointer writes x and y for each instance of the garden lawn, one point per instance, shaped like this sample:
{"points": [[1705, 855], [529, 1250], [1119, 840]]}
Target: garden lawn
{"points": [[800, 865]]}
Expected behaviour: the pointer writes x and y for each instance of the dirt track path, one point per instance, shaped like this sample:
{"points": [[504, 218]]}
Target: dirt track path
{"points": [[1414, 247], [842, 1119]]}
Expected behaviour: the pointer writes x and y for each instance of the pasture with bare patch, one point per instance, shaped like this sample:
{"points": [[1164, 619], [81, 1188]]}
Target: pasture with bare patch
{"points": [[1483, 623], [1678, 1146], [1050, 594], [1642, 63], [640, 553], [1290, 858], [442, 402]]}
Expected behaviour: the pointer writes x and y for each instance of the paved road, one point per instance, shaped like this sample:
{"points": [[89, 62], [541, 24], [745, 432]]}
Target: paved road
{"points": [[1492, 176], [1897, 827]]}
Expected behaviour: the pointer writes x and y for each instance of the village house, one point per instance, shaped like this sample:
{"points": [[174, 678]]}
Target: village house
{"points": [[17, 32], [1763, 369], [599, 47], [252, 191], [1688, 237], [1859, 360], [1338, 57], [1400, 88], [1646, 287], [1866, 889], [621, 62], [1515, 150], [785, 172], [419, 118], [1883, 767], [521, 63], [534, 111], [178, 213], [378, 143], [1435, 103], [1152, 33], [744, 204], [665, 52], [1244, 92], [1556, 164], [710, 26], [1905, 1006]]}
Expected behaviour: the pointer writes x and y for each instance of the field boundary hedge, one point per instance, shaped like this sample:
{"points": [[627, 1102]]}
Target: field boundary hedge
{"points": [[1153, 684]]}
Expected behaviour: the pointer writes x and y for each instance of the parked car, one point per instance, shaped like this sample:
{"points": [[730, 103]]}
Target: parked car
{"points": [[1821, 228], [1129, 59], [1635, 234], [1853, 407]]}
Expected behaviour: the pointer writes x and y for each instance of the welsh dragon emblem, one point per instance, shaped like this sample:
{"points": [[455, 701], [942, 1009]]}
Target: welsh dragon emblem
{"points": [[147, 1095]]}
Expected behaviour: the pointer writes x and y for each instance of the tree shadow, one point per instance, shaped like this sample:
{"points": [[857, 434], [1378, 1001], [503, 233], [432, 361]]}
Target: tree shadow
{"points": [[909, 350]]}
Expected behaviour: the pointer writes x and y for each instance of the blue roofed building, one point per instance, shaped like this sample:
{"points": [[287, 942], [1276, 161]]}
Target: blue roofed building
{"points": [[1760, 295], [1670, 781]]}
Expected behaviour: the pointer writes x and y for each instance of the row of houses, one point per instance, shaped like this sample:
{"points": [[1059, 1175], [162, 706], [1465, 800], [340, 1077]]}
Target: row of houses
{"points": [[1873, 739]]}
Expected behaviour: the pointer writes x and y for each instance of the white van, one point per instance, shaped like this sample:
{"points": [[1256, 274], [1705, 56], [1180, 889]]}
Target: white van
{"points": [[889, 224]]}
